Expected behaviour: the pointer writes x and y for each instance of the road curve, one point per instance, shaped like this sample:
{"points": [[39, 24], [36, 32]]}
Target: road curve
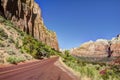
{"points": [[39, 70]]}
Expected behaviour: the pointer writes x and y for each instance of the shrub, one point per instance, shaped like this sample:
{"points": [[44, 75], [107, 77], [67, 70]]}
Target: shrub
{"points": [[28, 57], [10, 40], [3, 34], [17, 44], [1, 39], [15, 60], [2, 19], [1, 44], [11, 52], [8, 23], [36, 48], [21, 50]]}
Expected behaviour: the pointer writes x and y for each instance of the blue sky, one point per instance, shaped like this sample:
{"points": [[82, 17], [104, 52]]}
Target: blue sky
{"points": [[78, 21]]}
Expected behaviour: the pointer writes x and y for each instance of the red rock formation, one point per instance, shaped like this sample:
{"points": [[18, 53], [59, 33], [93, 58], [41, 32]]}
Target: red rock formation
{"points": [[99, 48], [115, 46], [26, 14]]}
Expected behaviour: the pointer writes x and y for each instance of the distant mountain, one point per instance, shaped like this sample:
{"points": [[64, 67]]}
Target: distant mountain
{"points": [[99, 48], [26, 15]]}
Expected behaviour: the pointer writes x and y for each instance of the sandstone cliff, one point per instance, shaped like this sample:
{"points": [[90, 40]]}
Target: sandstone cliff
{"points": [[26, 14], [99, 48]]}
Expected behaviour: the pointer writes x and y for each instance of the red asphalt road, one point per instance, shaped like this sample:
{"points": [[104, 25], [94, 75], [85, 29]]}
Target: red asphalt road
{"points": [[38, 70]]}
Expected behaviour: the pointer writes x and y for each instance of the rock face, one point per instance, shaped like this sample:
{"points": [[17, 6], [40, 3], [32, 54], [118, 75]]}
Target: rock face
{"points": [[26, 14], [99, 48], [10, 42], [115, 45]]}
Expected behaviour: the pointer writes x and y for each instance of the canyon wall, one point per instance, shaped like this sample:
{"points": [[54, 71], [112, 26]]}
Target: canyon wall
{"points": [[26, 15]]}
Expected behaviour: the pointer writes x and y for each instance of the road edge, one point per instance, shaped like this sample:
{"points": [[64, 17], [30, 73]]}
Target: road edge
{"points": [[75, 75]]}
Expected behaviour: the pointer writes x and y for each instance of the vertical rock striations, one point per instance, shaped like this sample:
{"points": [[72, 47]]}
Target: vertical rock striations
{"points": [[115, 46], [26, 14]]}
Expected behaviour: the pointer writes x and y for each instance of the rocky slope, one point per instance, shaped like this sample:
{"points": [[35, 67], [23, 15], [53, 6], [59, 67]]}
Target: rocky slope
{"points": [[99, 48], [10, 42], [26, 14]]}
